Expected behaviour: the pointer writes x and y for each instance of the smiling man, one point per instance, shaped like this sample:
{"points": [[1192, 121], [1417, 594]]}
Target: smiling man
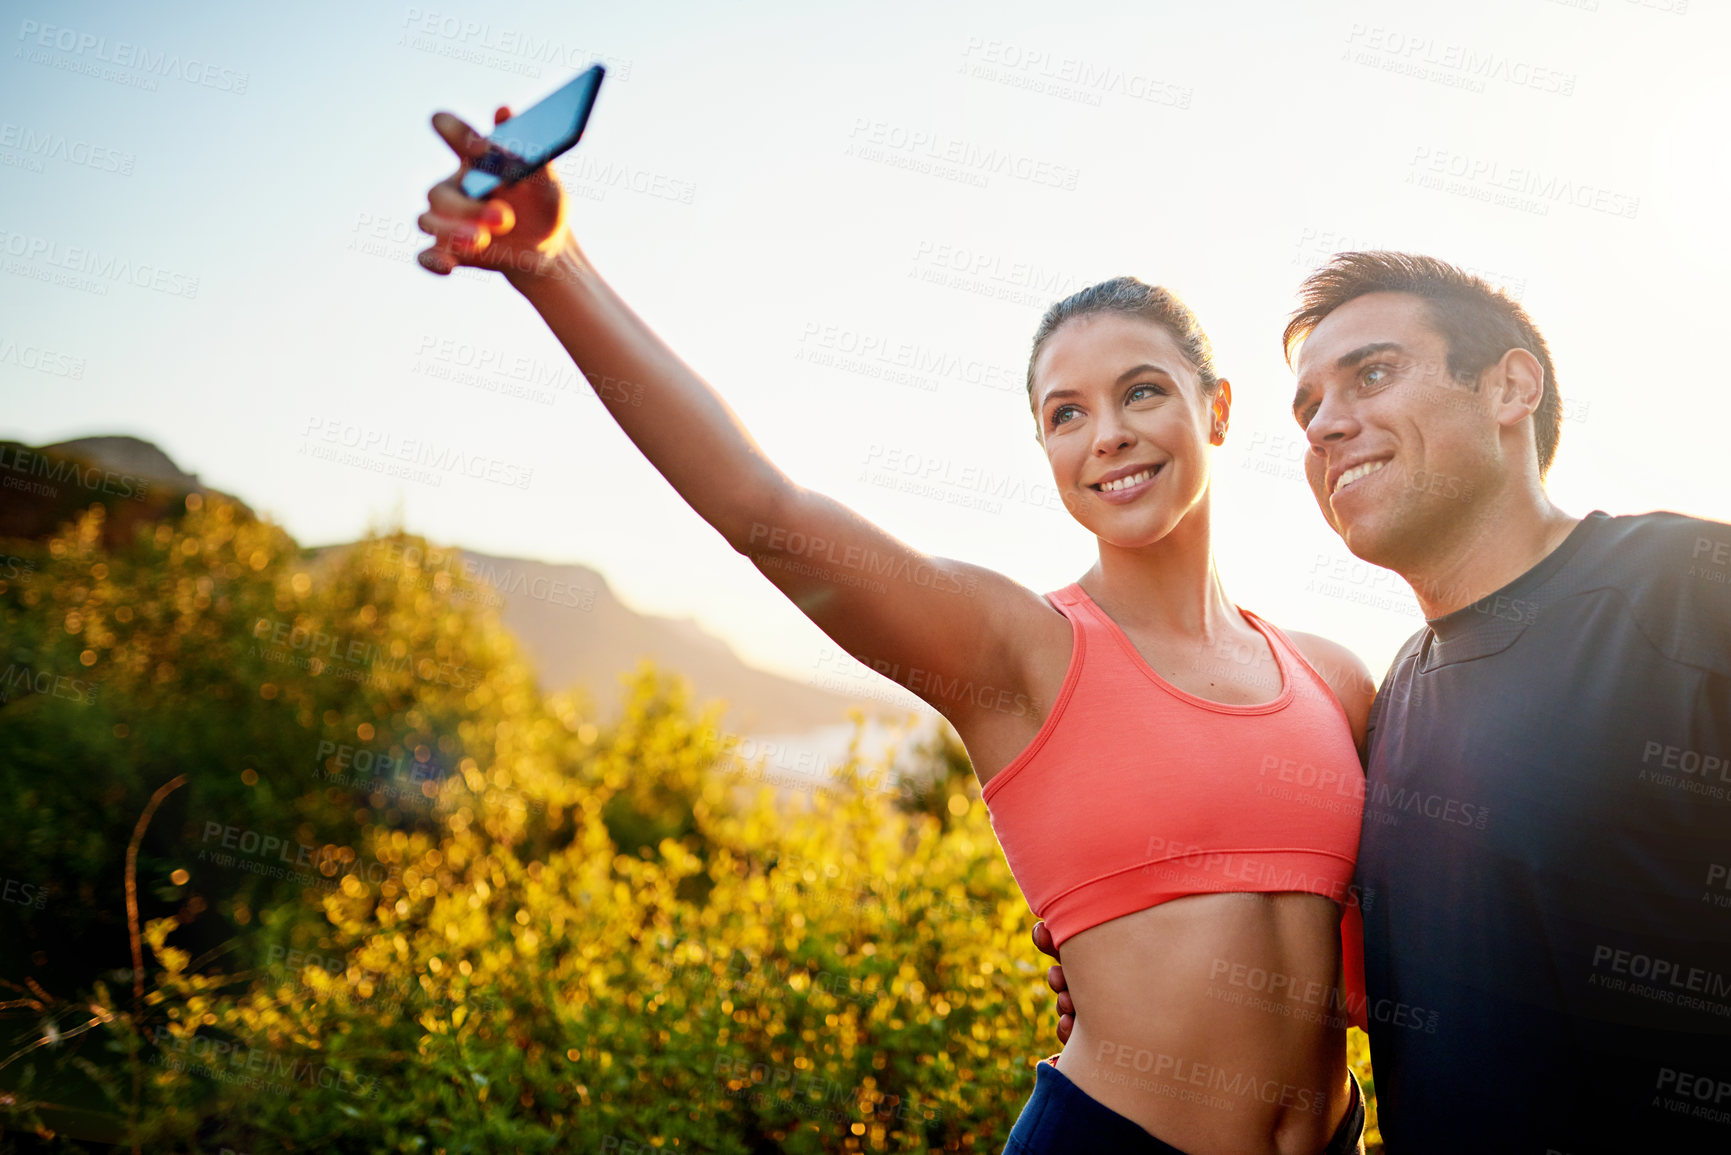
{"points": [[1545, 864], [1547, 827]]}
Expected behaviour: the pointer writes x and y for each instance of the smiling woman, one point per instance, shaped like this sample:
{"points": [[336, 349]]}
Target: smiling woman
{"points": [[1135, 747]]}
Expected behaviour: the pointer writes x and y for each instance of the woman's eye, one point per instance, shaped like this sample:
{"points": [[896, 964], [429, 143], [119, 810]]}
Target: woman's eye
{"points": [[1142, 391], [1061, 414]]}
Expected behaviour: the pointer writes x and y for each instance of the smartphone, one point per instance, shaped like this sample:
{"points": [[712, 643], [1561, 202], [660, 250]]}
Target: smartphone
{"points": [[534, 136]]}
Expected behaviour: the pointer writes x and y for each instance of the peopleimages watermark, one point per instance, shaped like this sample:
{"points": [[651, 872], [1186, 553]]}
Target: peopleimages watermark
{"points": [[1661, 980], [1352, 580], [1700, 772], [33, 895], [1706, 1097], [747, 976], [360, 984], [513, 373], [898, 362], [1066, 77], [93, 55], [1710, 560], [774, 542], [934, 153], [88, 270], [592, 177], [1423, 57], [1316, 246], [231, 1062], [954, 483], [488, 583], [808, 1093], [500, 46], [20, 679], [928, 685], [1208, 1084], [794, 767], [990, 275], [20, 464], [1522, 187], [317, 650], [32, 147], [1295, 996], [414, 458], [40, 360]]}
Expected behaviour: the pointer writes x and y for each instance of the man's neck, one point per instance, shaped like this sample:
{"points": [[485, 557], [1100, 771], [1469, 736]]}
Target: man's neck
{"points": [[1487, 554]]}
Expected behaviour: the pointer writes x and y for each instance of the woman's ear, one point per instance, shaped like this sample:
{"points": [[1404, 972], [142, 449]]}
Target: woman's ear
{"points": [[1222, 412]]}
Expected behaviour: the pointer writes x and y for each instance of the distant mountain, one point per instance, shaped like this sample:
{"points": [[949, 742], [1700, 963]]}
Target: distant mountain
{"points": [[570, 623], [577, 633], [131, 455], [41, 487]]}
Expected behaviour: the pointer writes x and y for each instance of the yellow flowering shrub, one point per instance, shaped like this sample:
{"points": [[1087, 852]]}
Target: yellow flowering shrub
{"points": [[558, 936]]}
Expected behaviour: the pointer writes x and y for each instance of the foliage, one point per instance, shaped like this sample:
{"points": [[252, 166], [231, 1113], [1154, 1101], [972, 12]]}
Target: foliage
{"points": [[529, 933]]}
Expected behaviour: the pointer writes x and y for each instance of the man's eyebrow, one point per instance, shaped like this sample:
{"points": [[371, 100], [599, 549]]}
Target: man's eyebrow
{"points": [[1363, 352], [1348, 361]]}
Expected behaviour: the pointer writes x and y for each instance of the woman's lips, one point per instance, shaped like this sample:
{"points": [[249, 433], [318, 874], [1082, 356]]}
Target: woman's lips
{"points": [[1144, 479]]}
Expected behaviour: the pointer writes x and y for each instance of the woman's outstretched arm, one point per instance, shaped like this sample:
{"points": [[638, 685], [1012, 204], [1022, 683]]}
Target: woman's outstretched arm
{"points": [[942, 628]]}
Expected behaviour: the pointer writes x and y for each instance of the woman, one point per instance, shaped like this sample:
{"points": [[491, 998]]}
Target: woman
{"points": [[1160, 808]]}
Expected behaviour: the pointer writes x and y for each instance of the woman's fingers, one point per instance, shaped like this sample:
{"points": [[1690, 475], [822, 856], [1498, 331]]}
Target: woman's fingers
{"points": [[1043, 940], [448, 199], [456, 242], [456, 234], [1066, 1024], [464, 141], [1055, 979]]}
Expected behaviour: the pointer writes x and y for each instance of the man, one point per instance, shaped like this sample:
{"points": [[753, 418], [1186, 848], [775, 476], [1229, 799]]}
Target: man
{"points": [[1546, 852]]}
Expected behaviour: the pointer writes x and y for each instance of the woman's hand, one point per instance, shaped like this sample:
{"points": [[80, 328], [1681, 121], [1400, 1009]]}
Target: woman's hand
{"points": [[519, 231]]}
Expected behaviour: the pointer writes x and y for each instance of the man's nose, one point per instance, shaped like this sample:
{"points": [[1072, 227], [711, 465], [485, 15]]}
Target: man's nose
{"points": [[1333, 421]]}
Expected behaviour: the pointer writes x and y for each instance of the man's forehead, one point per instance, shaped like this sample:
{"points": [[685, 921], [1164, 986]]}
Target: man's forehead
{"points": [[1382, 319]]}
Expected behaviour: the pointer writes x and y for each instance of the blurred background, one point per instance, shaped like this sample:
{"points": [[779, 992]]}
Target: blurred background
{"points": [[353, 552]]}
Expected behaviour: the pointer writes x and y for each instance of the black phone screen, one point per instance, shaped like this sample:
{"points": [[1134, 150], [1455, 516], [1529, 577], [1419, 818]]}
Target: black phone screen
{"points": [[534, 136]]}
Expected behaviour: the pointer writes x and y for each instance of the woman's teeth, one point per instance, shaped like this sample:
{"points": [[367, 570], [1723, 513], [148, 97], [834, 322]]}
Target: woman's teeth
{"points": [[1357, 472], [1126, 482]]}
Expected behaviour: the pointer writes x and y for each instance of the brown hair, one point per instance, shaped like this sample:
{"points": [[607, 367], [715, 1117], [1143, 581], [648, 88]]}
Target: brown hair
{"points": [[1131, 297], [1479, 323]]}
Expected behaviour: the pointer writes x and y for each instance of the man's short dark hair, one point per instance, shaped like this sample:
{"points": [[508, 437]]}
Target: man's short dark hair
{"points": [[1479, 323]]}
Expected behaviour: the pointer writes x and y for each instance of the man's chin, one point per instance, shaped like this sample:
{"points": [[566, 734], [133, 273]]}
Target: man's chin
{"points": [[1367, 540]]}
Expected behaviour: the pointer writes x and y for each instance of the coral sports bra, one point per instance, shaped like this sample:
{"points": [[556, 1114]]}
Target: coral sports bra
{"points": [[1135, 793]]}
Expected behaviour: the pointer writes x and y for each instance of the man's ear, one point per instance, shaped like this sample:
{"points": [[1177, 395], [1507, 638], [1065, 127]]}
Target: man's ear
{"points": [[1517, 385]]}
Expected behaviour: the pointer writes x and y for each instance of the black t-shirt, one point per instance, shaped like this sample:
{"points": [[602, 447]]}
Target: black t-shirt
{"points": [[1546, 861]]}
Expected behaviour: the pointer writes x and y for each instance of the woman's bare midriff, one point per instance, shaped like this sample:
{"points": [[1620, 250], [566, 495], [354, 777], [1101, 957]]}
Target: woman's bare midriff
{"points": [[1215, 1022]]}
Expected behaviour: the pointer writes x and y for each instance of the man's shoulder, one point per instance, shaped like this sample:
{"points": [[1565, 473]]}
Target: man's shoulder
{"points": [[1662, 529], [1674, 571]]}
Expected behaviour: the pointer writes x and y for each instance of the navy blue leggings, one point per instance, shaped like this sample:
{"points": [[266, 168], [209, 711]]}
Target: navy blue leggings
{"points": [[1062, 1119]]}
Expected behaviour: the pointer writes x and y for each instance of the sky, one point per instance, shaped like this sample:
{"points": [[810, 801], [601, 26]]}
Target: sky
{"points": [[849, 219]]}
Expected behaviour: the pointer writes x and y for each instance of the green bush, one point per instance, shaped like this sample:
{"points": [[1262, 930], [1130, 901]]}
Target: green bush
{"points": [[547, 935]]}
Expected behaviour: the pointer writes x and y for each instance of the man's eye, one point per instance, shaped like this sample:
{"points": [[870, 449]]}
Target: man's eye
{"points": [[1375, 376]]}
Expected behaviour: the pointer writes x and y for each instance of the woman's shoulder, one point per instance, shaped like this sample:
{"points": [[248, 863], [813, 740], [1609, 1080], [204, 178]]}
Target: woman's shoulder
{"points": [[1344, 672]]}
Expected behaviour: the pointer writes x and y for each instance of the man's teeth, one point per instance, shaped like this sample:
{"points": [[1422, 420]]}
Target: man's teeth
{"points": [[1357, 472], [1126, 482]]}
